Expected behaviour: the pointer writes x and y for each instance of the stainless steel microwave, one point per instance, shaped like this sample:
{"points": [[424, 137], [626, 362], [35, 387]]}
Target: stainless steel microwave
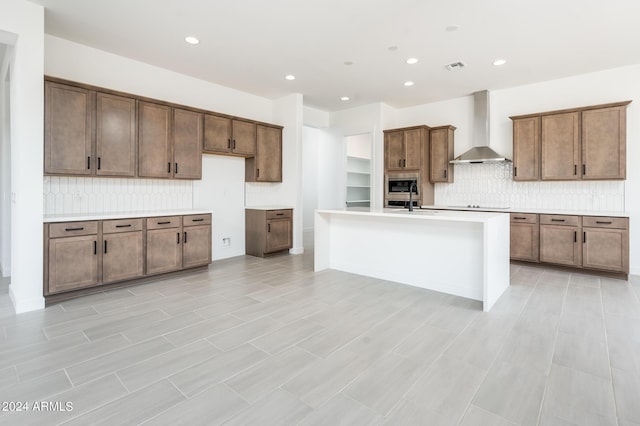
{"points": [[397, 188]]}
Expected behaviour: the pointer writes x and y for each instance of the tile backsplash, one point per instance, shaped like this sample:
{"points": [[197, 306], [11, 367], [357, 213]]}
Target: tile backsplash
{"points": [[492, 185], [72, 195]]}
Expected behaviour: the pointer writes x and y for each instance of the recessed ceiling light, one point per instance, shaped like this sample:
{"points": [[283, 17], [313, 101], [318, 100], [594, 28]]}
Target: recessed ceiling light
{"points": [[345, 98], [191, 40], [452, 28], [412, 61], [290, 77], [408, 83], [499, 62]]}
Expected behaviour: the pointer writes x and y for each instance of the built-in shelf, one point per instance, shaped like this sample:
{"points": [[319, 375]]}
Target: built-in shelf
{"points": [[358, 181]]}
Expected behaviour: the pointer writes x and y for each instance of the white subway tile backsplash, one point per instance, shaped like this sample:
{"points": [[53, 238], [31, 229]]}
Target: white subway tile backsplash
{"points": [[65, 195], [492, 185]]}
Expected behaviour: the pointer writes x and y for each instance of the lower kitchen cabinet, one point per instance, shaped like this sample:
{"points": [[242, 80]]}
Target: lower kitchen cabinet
{"points": [[559, 239], [268, 231], [525, 237], [605, 242], [164, 251], [79, 255]]}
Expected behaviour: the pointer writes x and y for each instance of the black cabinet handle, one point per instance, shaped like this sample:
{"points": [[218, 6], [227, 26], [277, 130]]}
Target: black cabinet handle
{"points": [[105, 246], [74, 229], [404, 163], [95, 247], [177, 238], [575, 236], [124, 226], [584, 237], [197, 220], [575, 169], [515, 171], [169, 167], [557, 220], [185, 237], [98, 163], [88, 163], [164, 223], [519, 218], [175, 168], [257, 173], [445, 174], [279, 214], [268, 227], [399, 163], [229, 143], [584, 169], [234, 144], [604, 222]]}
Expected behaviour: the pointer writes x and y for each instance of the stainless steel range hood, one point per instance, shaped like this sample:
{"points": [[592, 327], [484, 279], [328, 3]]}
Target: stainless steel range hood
{"points": [[481, 152]]}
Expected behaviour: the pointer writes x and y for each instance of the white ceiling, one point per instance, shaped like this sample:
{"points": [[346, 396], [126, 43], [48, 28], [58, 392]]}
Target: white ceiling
{"points": [[251, 45]]}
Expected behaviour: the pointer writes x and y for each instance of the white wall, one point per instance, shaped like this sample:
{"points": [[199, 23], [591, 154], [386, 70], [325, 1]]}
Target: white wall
{"points": [[5, 163], [22, 25], [310, 165]]}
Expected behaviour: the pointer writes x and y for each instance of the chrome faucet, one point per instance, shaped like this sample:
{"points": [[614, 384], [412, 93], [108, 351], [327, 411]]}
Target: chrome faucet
{"points": [[414, 184]]}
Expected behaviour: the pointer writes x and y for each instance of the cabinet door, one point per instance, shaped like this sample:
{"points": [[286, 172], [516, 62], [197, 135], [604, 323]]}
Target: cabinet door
{"points": [[122, 256], [196, 246], [73, 263], [217, 134], [560, 244], [67, 130], [243, 139], [187, 144], [561, 146], [154, 141], [604, 143], [524, 241], [526, 149], [164, 250], [279, 235], [268, 160], [115, 135], [440, 153], [606, 249], [394, 150], [412, 148]]}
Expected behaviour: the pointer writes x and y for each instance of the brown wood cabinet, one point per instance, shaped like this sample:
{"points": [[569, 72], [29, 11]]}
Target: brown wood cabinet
{"points": [[268, 231], [526, 149], [605, 243], [187, 144], [559, 239], [164, 249], [229, 136], [115, 135], [196, 240], [403, 148], [580, 143], [122, 250], [524, 237], [440, 153], [266, 166]]}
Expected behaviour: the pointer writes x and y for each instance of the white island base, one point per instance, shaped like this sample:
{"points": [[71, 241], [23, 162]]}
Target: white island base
{"points": [[461, 253]]}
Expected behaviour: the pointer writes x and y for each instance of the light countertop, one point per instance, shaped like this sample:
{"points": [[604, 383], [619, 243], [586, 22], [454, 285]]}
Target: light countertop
{"points": [[531, 210], [419, 214], [272, 207], [72, 217]]}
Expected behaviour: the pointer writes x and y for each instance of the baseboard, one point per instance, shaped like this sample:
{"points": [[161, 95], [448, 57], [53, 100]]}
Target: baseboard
{"points": [[28, 305], [296, 250]]}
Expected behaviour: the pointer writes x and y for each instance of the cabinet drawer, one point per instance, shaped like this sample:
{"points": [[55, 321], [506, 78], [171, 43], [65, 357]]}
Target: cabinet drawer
{"points": [[163, 222], [279, 214], [121, 225], [605, 222], [524, 218], [196, 219], [557, 219], [69, 229]]}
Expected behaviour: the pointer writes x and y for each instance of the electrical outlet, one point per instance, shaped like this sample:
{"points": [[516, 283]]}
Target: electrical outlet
{"points": [[226, 241]]}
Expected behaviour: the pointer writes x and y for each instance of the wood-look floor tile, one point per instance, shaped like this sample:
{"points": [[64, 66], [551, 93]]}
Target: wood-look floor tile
{"points": [[202, 330], [37, 389], [476, 416], [277, 408], [626, 387], [342, 411], [624, 353], [288, 335], [162, 327], [583, 354], [408, 413], [244, 333], [224, 307], [118, 326], [45, 348]]}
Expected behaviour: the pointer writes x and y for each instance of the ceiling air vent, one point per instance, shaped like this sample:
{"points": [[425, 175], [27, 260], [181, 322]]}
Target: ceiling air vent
{"points": [[455, 65]]}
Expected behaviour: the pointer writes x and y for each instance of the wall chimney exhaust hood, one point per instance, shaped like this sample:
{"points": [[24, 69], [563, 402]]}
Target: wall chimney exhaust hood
{"points": [[481, 152]]}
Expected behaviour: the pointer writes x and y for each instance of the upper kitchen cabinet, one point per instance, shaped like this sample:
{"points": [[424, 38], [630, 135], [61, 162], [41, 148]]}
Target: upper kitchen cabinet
{"points": [[526, 149], [155, 150], [440, 153], [403, 148], [68, 145], [586, 143], [169, 142], [266, 166], [224, 135], [80, 143]]}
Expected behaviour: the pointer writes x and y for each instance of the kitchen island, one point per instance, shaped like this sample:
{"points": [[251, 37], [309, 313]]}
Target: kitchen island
{"points": [[461, 253]]}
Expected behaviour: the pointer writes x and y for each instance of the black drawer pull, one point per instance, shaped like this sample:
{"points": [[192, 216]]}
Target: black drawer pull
{"points": [[228, 143], [575, 236], [279, 214], [88, 163], [575, 169], [584, 169], [95, 247], [177, 238], [520, 218], [105, 246], [185, 238], [515, 171], [445, 174], [604, 222], [168, 167], [197, 220], [557, 220], [175, 170], [75, 229], [268, 227], [164, 223], [98, 163], [257, 173], [584, 237], [124, 226]]}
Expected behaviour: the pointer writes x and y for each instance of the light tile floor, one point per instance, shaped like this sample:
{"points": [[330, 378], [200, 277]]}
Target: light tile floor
{"points": [[270, 342]]}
